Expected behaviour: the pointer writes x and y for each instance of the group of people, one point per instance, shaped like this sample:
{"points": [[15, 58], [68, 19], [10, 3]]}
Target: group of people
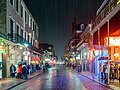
{"points": [[114, 72], [22, 72], [104, 72], [23, 69], [77, 67]]}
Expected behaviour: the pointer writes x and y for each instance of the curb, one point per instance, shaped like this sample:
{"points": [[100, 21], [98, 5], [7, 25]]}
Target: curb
{"points": [[23, 81], [97, 82]]}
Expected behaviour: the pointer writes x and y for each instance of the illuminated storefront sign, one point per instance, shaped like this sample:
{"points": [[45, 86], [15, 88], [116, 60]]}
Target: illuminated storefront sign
{"points": [[2, 46], [26, 53], [72, 59], [2, 49], [113, 41]]}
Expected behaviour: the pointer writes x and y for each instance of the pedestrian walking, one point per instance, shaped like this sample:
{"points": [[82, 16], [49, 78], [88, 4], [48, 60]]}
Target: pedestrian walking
{"points": [[19, 74], [78, 68], [119, 74], [111, 72], [12, 70], [105, 70], [74, 66], [101, 71], [31, 68], [25, 72], [116, 71]]}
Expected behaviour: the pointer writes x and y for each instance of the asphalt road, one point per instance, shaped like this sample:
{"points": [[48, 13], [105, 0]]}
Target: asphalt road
{"points": [[60, 78]]}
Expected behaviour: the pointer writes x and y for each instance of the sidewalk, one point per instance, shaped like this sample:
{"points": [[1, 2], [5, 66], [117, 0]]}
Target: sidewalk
{"points": [[11, 82], [113, 85]]}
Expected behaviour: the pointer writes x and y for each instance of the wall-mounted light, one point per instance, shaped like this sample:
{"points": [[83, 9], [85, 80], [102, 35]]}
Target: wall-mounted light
{"points": [[116, 54], [35, 40], [30, 34], [21, 48], [85, 53]]}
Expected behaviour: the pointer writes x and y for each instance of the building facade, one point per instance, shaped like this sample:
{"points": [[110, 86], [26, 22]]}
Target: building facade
{"points": [[18, 35], [106, 32]]}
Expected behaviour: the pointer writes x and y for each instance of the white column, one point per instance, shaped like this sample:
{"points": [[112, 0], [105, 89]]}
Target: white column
{"points": [[108, 53]]}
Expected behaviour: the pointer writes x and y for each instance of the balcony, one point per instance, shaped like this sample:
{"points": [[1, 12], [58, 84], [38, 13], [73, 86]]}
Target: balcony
{"points": [[16, 38], [108, 8]]}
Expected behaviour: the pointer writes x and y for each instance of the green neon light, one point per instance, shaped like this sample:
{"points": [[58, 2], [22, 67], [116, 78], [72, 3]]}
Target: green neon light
{"points": [[2, 52]]}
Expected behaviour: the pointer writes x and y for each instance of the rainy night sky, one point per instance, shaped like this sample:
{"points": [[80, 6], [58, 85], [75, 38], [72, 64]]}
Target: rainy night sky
{"points": [[55, 17]]}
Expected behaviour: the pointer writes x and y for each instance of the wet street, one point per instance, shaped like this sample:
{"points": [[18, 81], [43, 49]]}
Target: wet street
{"points": [[60, 78]]}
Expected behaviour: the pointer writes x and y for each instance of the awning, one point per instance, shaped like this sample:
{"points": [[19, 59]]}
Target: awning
{"points": [[103, 58]]}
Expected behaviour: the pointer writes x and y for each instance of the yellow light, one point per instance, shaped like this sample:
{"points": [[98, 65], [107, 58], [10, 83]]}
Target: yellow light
{"points": [[2, 48], [2, 43], [29, 34], [72, 59], [118, 2], [33, 62], [116, 54], [21, 48], [10, 47]]}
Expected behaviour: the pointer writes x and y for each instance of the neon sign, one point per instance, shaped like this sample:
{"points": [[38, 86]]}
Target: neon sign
{"points": [[113, 41]]}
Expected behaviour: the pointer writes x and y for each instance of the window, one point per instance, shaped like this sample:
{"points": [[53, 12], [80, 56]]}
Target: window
{"points": [[33, 26], [25, 16], [35, 29], [25, 35], [31, 23], [12, 2], [12, 29], [31, 40], [21, 11], [17, 5], [28, 37], [22, 32], [11, 26], [28, 18], [18, 30]]}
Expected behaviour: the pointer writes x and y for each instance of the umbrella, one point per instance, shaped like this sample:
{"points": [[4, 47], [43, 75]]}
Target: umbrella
{"points": [[21, 63]]}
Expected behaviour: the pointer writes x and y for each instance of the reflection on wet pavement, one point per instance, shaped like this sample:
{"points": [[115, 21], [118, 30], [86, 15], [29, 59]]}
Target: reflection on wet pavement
{"points": [[60, 78]]}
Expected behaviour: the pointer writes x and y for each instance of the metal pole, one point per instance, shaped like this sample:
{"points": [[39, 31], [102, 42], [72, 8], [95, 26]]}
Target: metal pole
{"points": [[99, 49], [108, 55]]}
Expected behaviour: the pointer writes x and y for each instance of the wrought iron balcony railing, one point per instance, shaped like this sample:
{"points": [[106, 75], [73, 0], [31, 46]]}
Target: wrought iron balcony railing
{"points": [[108, 8], [16, 38]]}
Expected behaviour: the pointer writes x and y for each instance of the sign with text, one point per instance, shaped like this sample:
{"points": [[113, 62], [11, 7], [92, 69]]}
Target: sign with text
{"points": [[113, 41]]}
